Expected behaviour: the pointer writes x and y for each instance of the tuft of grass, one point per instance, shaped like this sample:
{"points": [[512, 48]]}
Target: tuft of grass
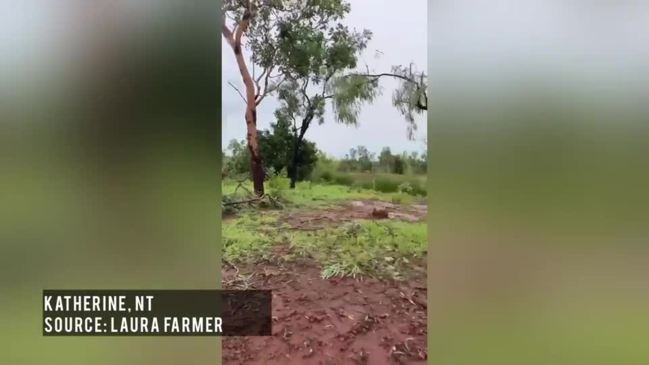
{"points": [[401, 198], [364, 248], [248, 237]]}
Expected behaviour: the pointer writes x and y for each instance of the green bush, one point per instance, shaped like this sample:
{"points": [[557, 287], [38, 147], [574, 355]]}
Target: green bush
{"points": [[382, 182], [367, 185], [386, 185], [417, 188], [405, 188], [277, 186], [325, 176], [343, 179], [402, 198]]}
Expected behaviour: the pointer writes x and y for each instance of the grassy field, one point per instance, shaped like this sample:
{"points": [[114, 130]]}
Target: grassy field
{"points": [[354, 247], [382, 182], [340, 187]]}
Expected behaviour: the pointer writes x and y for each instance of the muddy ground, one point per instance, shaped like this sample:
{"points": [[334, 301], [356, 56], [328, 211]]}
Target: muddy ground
{"points": [[374, 209], [339, 320]]}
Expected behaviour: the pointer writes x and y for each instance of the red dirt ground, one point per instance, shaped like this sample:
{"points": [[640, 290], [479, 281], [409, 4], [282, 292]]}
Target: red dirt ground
{"points": [[335, 321]]}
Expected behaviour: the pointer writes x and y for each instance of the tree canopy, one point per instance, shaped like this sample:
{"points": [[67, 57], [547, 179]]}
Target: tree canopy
{"points": [[308, 58]]}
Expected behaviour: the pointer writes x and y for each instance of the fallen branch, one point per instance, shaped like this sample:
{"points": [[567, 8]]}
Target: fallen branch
{"points": [[244, 201], [240, 186], [253, 200]]}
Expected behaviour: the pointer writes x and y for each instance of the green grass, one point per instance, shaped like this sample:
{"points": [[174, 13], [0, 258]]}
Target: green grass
{"points": [[377, 182], [310, 194], [381, 182], [362, 247], [384, 249], [249, 237]]}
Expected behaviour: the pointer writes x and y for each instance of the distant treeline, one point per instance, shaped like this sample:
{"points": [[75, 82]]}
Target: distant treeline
{"points": [[359, 159], [315, 163]]}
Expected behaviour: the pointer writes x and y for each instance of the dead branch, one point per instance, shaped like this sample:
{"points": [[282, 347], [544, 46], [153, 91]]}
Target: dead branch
{"points": [[246, 201], [237, 90]]}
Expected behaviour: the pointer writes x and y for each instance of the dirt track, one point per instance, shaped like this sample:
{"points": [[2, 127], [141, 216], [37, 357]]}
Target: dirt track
{"points": [[334, 321]]}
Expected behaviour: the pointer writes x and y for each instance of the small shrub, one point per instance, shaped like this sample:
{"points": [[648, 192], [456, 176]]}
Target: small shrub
{"points": [[367, 185], [277, 186], [405, 188], [356, 186], [386, 185], [402, 198], [417, 188], [341, 179], [325, 176]]}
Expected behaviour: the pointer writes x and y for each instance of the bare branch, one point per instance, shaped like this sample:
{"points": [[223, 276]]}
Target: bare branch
{"points": [[267, 90], [270, 90], [306, 84], [257, 82], [376, 76], [238, 91]]}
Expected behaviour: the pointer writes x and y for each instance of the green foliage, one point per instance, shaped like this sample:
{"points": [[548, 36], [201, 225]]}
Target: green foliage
{"points": [[398, 165], [346, 185], [312, 195], [386, 185], [307, 194], [351, 92], [236, 163], [410, 98], [226, 207], [341, 179], [313, 49], [277, 186], [277, 145], [402, 198], [405, 187], [359, 159]]}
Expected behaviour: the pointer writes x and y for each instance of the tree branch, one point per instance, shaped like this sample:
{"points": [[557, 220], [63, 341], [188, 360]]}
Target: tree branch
{"points": [[267, 89], [376, 76], [238, 91], [227, 34]]}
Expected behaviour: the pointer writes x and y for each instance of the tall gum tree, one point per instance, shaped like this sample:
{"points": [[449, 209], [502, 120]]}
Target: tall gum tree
{"points": [[251, 18], [313, 55]]}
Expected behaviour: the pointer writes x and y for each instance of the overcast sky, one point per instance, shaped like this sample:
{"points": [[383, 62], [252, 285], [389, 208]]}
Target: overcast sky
{"points": [[481, 46], [400, 34]]}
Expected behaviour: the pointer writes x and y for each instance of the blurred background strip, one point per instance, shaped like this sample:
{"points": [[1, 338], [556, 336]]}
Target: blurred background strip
{"points": [[109, 154], [538, 182]]}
